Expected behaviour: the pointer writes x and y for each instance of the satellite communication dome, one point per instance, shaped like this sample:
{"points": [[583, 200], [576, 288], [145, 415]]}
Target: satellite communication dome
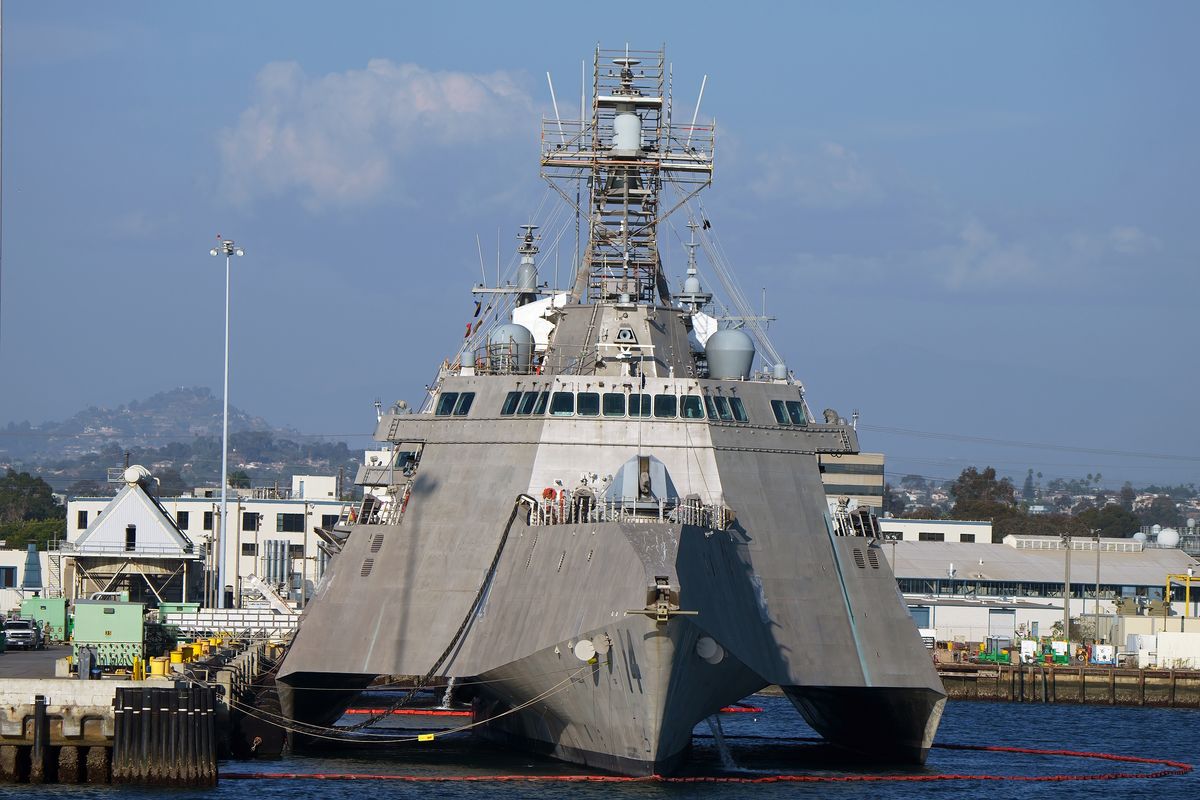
{"points": [[1139, 537], [730, 355], [1168, 537]]}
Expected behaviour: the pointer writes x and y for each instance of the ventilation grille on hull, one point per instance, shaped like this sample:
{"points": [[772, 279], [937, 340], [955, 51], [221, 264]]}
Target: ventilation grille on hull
{"points": [[366, 569]]}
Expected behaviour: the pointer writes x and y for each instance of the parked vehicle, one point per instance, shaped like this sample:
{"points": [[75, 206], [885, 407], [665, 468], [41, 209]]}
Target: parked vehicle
{"points": [[25, 634]]}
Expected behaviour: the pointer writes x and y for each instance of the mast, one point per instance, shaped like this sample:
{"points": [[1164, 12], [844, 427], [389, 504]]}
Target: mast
{"points": [[629, 153]]}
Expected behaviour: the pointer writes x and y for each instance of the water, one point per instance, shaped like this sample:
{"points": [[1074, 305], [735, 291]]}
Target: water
{"points": [[759, 743]]}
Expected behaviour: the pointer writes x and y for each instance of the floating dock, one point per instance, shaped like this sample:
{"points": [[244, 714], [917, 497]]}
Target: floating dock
{"points": [[1081, 685]]}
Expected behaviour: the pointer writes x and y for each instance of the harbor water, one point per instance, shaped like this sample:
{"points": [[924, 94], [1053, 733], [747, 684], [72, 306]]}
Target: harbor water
{"points": [[759, 744]]}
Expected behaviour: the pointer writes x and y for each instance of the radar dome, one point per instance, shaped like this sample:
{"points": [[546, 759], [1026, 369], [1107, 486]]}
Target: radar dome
{"points": [[730, 355], [691, 285], [136, 474], [1168, 537], [1139, 537], [510, 348]]}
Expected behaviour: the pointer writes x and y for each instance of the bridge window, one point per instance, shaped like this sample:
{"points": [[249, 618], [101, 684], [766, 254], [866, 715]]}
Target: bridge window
{"points": [[543, 399], [665, 406], [690, 407], [446, 404], [639, 405], [739, 410], [464, 404], [528, 400], [795, 411], [511, 401], [781, 414], [723, 408], [614, 404], [588, 404], [562, 404]]}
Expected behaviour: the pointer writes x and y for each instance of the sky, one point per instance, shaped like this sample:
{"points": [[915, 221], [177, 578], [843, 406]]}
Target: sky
{"points": [[975, 224]]}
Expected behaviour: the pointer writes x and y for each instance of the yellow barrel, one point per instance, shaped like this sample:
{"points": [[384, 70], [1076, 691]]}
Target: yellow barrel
{"points": [[158, 665], [176, 656]]}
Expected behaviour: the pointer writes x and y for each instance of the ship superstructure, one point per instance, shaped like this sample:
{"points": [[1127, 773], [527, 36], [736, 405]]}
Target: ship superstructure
{"points": [[606, 523]]}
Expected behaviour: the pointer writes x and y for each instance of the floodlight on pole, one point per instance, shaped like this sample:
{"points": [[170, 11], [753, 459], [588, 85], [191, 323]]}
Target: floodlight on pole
{"points": [[227, 248]]}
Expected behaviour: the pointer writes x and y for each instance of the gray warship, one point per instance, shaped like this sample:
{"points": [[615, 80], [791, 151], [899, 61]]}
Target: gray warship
{"points": [[606, 522]]}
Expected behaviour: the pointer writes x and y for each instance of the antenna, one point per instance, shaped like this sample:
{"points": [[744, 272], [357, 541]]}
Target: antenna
{"points": [[554, 101], [482, 271], [695, 114]]}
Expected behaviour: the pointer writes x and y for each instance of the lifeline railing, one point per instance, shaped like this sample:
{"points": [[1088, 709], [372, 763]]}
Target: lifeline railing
{"points": [[566, 508]]}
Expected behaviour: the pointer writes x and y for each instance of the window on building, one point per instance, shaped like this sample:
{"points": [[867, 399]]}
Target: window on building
{"points": [[249, 549], [588, 404], [181, 520], [511, 401], [296, 551], [250, 520], [665, 406], [445, 403], [966, 537], [81, 519], [690, 407], [328, 521], [927, 536], [614, 404], [562, 404], [130, 537], [780, 411], [289, 523], [8, 577], [208, 520], [463, 406]]}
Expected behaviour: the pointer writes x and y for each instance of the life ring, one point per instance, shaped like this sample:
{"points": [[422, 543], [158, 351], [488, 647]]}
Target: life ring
{"points": [[549, 493]]}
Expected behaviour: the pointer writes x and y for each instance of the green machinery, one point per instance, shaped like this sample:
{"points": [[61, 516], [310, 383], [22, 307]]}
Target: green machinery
{"points": [[114, 628], [51, 614], [995, 651]]}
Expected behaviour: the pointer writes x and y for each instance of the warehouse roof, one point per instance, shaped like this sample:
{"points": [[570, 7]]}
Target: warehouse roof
{"points": [[1008, 562]]}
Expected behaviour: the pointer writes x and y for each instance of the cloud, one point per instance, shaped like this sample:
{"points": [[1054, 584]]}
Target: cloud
{"points": [[976, 258], [340, 139], [829, 177]]}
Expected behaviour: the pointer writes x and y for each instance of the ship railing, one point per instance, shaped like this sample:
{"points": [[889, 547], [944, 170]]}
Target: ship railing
{"points": [[856, 522], [565, 508]]}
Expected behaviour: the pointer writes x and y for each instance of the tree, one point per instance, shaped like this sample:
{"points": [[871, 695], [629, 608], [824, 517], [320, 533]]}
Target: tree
{"points": [[973, 488], [893, 502], [239, 479], [1126, 496], [1112, 521], [86, 488], [1161, 511], [24, 497], [924, 512], [171, 483], [1027, 493], [913, 482]]}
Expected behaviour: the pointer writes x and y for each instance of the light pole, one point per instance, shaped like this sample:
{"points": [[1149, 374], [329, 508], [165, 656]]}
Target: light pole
{"points": [[1066, 540], [229, 250], [1096, 538]]}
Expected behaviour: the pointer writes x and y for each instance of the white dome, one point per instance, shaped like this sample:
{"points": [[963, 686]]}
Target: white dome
{"points": [[1168, 537], [1139, 537]]}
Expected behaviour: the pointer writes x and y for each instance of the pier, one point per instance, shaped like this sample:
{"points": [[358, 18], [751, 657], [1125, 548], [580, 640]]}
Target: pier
{"points": [[1080, 685]]}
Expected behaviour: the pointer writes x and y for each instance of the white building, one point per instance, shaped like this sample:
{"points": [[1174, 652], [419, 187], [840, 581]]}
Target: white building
{"points": [[935, 530], [12, 575], [270, 534]]}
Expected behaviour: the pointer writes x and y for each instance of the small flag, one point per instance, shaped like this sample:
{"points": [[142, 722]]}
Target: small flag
{"points": [[424, 737]]}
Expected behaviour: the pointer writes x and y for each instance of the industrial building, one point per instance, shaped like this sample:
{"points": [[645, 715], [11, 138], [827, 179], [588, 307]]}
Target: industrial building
{"points": [[935, 530], [967, 591]]}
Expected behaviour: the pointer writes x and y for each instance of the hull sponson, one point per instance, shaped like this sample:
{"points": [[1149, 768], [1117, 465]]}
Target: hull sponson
{"points": [[631, 712], [882, 725]]}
